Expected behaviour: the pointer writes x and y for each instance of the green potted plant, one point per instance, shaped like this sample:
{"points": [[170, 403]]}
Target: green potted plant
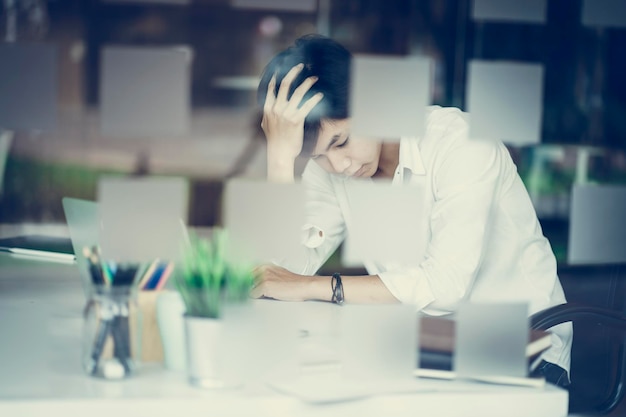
{"points": [[208, 282]]}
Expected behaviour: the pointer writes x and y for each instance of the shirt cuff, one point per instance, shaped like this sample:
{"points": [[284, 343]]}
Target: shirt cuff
{"points": [[312, 236]]}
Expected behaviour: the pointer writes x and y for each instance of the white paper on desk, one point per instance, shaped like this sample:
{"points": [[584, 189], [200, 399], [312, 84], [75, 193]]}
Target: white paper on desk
{"points": [[258, 339], [263, 220], [378, 342], [328, 388], [604, 13], [491, 340], [528, 11], [597, 227], [145, 91], [278, 5], [140, 217], [396, 107], [29, 86], [493, 115], [402, 207]]}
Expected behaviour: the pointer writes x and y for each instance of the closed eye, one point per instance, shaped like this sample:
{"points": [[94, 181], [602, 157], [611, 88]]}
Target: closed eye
{"points": [[345, 142]]}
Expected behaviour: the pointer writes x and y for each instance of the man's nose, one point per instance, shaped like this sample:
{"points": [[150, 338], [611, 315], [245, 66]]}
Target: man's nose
{"points": [[340, 163]]}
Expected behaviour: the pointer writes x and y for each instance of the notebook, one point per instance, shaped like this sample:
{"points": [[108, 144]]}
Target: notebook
{"points": [[437, 342]]}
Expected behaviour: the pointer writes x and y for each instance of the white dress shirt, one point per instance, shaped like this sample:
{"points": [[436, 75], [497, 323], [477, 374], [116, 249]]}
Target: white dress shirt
{"points": [[484, 241]]}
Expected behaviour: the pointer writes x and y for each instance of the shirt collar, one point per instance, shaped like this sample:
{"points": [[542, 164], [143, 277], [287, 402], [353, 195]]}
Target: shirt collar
{"points": [[410, 156]]}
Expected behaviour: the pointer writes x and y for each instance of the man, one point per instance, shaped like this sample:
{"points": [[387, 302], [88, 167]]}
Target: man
{"points": [[482, 239]]}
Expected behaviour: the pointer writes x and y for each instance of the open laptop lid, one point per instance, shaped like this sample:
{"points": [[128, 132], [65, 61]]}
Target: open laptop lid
{"points": [[82, 221]]}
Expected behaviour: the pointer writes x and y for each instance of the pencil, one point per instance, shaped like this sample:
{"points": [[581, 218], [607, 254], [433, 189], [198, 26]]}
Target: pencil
{"points": [[164, 277], [146, 276], [156, 276], [94, 268], [106, 273], [107, 279]]}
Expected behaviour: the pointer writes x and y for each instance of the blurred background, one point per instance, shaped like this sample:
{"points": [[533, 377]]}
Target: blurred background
{"points": [[64, 64]]}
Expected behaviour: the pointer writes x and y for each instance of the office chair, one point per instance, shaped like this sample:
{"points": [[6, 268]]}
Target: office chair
{"points": [[596, 301]]}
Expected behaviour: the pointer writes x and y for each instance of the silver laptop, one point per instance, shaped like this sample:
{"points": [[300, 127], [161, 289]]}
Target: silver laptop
{"points": [[82, 221]]}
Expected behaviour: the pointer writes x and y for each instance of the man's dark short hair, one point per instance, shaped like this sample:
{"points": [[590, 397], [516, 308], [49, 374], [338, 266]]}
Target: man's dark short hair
{"points": [[324, 58]]}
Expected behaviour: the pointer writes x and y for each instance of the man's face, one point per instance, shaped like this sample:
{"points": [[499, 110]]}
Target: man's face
{"points": [[339, 153]]}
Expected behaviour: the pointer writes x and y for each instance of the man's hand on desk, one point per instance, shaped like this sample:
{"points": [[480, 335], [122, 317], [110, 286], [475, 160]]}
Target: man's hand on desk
{"points": [[272, 281]]}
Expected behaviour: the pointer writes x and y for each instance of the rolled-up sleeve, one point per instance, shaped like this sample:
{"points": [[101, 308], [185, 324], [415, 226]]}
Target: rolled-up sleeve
{"points": [[324, 229], [465, 179]]}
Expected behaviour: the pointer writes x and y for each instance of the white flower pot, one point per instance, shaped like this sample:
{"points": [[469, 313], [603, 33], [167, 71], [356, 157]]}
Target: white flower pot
{"points": [[203, 351]]}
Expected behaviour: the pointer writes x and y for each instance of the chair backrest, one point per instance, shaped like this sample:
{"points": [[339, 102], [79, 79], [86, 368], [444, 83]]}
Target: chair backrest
{"points": [[598, 369]]}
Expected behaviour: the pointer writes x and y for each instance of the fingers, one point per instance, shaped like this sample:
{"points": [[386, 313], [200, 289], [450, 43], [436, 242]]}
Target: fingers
{"points": [[259, 276], [257, 289], [259, 270], [262, 278], [274, 282], [270, 98], [292, 109], [256, 292], [310, 104], [285, 84], [260, 288], [300, 91]]}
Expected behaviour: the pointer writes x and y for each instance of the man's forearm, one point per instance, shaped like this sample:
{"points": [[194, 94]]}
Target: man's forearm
{"points": [[280, 167], [368, 289]]}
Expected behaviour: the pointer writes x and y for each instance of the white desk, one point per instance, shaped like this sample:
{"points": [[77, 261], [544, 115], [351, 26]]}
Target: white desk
{"points": [[40, 372]]}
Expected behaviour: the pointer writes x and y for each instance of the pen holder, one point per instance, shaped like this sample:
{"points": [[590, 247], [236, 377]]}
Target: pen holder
{"points": [[151, 346], [111, 332]]}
